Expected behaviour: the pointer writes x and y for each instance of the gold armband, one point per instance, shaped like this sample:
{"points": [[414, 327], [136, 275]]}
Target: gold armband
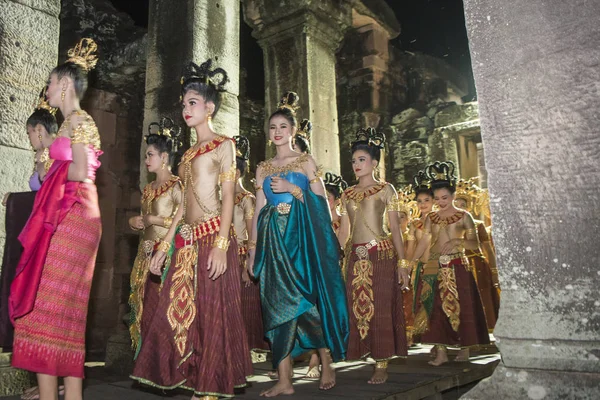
{"points": [[251, 244], [315, 180], [410, 236], [164, 246], [250, 214], [167, 222], [404, 264], [228, 176], [296, 192], [221, 243], [258, 188]]}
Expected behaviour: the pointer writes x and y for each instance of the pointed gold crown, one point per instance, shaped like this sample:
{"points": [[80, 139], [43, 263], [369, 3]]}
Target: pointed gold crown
{"points": [[166, 127], [468, 191], [406, 203], [42, 103], [83, 54]]}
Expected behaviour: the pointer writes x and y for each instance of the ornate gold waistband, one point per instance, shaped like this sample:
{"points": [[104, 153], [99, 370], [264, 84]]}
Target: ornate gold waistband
{"points": [[284, 208], [189, 233]]}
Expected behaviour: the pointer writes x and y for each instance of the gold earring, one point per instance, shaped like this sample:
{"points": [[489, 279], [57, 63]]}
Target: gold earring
{"points": [[40, 137], [163, 165], [269, 142], [62, 95], [209, 117]]}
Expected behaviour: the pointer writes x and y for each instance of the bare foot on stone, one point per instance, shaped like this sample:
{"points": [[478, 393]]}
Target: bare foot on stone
{"points": [[462, 356], [327, 378], [281, 388], [379, 376], [440, 358]]}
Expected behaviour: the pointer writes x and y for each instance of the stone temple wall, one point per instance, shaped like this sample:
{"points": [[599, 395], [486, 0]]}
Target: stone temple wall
{"points": [[27, 55]]}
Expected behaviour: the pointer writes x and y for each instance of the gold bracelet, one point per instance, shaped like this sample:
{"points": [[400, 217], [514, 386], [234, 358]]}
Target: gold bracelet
{"points": [[405, 264], [164, 246], [251, 244], [167, 221], [381, 364], [221, 243], [296, 192], [258, 188], [410, 237]]}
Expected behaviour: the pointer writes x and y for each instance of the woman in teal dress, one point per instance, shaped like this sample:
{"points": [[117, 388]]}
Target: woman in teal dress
{"points": [[293, 253]]}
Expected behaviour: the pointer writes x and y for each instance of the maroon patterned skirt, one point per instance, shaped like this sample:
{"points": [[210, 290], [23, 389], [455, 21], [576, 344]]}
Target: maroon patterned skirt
{"points": [[490, 298], [197, 339], [377, 326], [454, 320], [251, 310]]}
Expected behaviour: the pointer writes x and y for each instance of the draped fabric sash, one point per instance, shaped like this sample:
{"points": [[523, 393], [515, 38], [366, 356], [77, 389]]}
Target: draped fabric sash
{"points": [[52, 202], [297, 258]]}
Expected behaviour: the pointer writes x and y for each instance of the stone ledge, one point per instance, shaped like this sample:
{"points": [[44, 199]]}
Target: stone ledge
{"points": [[518, 383]]}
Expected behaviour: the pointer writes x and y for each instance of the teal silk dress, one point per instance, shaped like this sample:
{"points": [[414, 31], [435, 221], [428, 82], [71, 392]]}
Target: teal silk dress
{"points": [[302, 292]]}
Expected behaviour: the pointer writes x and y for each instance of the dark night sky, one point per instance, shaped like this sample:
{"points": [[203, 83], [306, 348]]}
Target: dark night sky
{"points": [[434, 27]]}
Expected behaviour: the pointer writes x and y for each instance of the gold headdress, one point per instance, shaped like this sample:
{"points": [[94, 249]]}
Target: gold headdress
{"points": [[305, 129], [42, 103], [166, 127], [242, 147], [468, 191], [83, 54], [216, 77], [441, 171], [290, 101], [335, 184], [406, 204], [371, 136]]}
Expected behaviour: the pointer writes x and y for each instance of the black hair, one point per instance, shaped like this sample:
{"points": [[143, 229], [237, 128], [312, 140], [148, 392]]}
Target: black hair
{"points": [[242, 153], [163, 144], [43, 117], [287, 106], [442, 184], [241, 165], [335, 185], [198, 79], [301, 140], [370, 141], [423, 190], [76, 73]]}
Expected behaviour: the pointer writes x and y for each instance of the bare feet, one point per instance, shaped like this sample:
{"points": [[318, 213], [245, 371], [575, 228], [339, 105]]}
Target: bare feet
{"points": [[313, 367], [327, 378], [273, 375], [279, 388], [441, 357], [462, 356], [380, 376]]}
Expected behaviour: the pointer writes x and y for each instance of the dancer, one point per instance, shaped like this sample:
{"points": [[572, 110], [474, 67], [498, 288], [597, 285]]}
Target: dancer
{"points": [[424, 199], [448, 311], [243, 213], [373, 283], [198, 323], [482, 259], [160, 202], [335, 186], [49, 296], [301, 288]]}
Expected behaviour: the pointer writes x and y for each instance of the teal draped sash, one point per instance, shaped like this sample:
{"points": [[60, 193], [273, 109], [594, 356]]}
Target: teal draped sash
{"points": [[301, 287]]}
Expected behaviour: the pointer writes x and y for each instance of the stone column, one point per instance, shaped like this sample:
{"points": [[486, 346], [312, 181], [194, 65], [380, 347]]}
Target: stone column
{"points": [[299, 39], [28, 54], [190, 30], [536, 70]]}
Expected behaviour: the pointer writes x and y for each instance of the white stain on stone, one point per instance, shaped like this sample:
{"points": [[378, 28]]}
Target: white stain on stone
{"points": [[597, 303], [508, 374], [555, 260], [528, 248], [564, 265], [522, 376], [489, 18], [584, 320], [536, 392], [569, 287]]}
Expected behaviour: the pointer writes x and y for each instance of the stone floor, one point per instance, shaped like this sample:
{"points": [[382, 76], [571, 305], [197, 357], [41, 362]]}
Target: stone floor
{"points": [[410, 378]]}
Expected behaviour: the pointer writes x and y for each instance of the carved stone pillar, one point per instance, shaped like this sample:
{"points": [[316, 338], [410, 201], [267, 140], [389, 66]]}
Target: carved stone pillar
{"points": [[536, 69], [299, 39], [184, 31]]}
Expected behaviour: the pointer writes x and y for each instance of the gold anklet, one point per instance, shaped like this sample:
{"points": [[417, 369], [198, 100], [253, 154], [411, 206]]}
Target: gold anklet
{"points": [[381, 364]]}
